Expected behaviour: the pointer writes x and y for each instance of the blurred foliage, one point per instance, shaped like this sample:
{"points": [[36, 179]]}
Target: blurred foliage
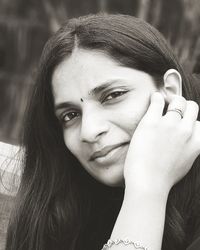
{"points": [[25, 25]]}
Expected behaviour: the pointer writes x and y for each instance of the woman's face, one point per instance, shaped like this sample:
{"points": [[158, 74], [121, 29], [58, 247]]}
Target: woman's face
{"points": [[100, 104]]}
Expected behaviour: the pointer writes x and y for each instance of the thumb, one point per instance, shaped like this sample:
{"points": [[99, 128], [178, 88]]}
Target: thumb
{"points": [[156, 106], [196, 137]]}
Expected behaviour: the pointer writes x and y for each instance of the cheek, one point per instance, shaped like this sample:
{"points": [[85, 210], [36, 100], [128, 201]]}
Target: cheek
{"points": [[71, 140], [129, 115]]}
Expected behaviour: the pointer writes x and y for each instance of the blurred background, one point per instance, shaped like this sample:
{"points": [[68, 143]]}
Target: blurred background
{"points": [[25, 26]]}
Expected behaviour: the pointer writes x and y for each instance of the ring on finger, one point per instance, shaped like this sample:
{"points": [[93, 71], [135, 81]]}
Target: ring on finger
{"points": [[179, 111]]}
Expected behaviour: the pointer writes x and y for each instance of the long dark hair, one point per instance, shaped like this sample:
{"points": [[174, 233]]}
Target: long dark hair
{"points": [[59, 206]]}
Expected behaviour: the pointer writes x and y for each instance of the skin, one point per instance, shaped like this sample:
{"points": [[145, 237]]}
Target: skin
{"points": [[158, 153], [170, 144], [96, 120]]}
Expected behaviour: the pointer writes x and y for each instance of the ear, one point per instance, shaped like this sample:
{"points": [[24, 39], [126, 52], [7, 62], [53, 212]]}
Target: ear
{"points": [[172, 84]]}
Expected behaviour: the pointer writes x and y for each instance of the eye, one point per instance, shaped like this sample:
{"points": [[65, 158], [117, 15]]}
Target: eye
{"points": [[114, 95], [69, 116]]}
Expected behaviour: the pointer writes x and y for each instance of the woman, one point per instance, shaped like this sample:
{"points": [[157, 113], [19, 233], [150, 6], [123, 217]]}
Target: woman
{"points": [[108, 142]]}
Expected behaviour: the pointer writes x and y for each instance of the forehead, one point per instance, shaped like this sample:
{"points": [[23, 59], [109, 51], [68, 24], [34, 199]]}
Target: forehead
{"points": [[85, 70]]}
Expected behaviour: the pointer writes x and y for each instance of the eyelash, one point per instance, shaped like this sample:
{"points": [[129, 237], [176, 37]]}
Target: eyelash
{"points": [[118, 93], [68, 114]]}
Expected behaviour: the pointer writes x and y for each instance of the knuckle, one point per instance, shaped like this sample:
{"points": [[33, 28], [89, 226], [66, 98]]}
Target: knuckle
{"points": [[193, 105], [179, 98], [185, 130], [178, 101]]}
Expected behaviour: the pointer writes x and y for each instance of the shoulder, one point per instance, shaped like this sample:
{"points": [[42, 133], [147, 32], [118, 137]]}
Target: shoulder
{"points": [[10, 153], [7, 149], [10, 166]]}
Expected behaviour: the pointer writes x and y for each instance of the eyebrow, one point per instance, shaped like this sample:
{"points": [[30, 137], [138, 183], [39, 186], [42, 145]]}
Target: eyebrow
{"points": [[103, 86], [94, 91]]}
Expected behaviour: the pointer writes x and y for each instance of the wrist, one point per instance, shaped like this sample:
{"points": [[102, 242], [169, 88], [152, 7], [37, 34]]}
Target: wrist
{"points": [[146, 189], [142, 211]]}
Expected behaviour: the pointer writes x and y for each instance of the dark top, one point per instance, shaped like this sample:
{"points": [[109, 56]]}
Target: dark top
{"points": [[195, 245]]}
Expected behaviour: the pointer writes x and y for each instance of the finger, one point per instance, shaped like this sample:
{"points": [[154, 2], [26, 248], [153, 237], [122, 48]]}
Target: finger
{"points": [[190, 114], [176, 109], [156, 107], [196, 137]]}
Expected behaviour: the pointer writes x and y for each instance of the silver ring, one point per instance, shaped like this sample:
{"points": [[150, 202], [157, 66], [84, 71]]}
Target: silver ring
{"points": [[179, 111]]}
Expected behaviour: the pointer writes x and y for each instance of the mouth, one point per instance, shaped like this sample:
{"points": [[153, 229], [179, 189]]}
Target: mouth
{"points": [[109, 153]]}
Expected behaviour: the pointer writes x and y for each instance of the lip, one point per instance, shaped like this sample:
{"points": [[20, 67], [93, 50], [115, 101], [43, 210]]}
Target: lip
{"points": [[102, 155]]}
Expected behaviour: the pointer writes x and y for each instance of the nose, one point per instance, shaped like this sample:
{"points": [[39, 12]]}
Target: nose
{"points": [[93, 126]]}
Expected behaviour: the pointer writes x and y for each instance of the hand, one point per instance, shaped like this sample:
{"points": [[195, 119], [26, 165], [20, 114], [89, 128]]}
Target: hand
{"points": [[163, 148]]}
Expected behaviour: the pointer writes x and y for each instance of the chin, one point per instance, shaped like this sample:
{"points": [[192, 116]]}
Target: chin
{"points": [[116, 184], [112, 176], [113, 180]]}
